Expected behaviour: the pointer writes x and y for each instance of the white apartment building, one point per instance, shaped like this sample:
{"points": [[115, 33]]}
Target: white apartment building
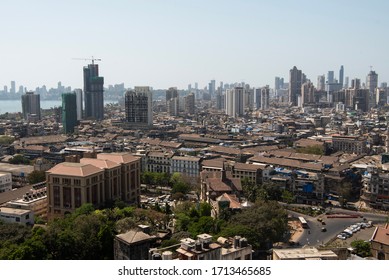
{"points": [[12, 215], [5, 182], [189, 166]]}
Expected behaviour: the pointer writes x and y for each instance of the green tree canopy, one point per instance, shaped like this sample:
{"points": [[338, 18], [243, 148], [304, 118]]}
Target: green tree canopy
{"points": [[264, 222], [19, 159], [362, 248], [36, 177]]}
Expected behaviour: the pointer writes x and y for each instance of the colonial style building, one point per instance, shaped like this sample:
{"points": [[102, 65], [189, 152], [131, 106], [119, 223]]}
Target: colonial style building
{"points": [[97, 181]]}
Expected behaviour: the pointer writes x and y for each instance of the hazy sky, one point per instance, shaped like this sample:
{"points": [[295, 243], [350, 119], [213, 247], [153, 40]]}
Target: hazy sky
{"points": [[173, 43]]}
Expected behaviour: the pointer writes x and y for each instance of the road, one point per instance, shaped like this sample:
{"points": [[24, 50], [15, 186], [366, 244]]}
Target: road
{"points": [[314, 236]]}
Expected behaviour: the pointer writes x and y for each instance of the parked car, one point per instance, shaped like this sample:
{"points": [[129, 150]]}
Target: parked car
{"points": [[323, 229], [340, 236]]}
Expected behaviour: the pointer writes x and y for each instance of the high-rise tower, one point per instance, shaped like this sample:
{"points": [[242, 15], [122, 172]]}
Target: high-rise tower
{"points": [[235, 102], [31, 106], [93, 92], [341, 75], [138, 105], [265, 98], [295, 81], [172, 101], [78, 92], [372, 81], [69, 112]]}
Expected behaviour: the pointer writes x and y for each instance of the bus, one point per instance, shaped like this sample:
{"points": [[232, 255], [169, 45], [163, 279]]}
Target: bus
{"points": [[303, 222]]}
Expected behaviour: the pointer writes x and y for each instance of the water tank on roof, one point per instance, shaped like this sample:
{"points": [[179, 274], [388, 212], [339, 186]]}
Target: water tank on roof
{"points": [[243, 242], [198, 246], [167, 255], [156, 256], [236, 241]]}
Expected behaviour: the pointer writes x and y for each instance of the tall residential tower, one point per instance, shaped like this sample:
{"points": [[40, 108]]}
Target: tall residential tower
{"points": [[93, 93]]}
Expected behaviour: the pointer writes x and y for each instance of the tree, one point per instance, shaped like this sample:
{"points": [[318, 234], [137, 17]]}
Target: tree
{"points": [[362, 248], [264, 222], [19, 159], [250, 189], [287, 196], [36, 177]]}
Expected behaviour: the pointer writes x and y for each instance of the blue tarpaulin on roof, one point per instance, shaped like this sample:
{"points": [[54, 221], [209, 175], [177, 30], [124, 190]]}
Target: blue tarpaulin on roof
{"points": [[308, 188]]}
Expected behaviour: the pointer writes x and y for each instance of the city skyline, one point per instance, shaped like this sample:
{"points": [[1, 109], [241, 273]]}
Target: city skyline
{"points": [[171, 43]]}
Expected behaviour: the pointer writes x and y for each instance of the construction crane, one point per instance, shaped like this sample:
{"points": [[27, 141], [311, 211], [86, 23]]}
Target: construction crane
{"points": [[93, 59]]}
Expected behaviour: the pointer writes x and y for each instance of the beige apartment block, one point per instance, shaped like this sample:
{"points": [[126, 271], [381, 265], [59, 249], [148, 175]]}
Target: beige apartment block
{"points": [[69, 185], [130, 174]]}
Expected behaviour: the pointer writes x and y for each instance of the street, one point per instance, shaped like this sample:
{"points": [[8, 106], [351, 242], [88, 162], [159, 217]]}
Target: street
{"points": [[314, 235]]}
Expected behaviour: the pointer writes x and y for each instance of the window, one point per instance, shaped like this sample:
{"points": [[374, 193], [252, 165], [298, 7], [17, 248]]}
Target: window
{"points": [[57, 197], [17, 219], [77, 182], [55, 180], [27, 216], [66, 181], [67, 198], [77, 197]]}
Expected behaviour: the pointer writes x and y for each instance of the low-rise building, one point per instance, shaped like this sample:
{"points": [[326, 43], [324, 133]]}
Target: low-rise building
{"points": [[133, 245], [158, 162], [5, 182], [305, 253], [189, 166], [349, 144], [34, 200], [214, 184], [375, 189], [13, 215], [380, 243]]}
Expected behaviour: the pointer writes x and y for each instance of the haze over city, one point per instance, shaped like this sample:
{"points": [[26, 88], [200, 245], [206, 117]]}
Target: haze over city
{"points": [[176, 43]]}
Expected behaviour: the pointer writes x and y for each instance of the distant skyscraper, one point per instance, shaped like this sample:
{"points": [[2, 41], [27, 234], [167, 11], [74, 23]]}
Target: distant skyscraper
{"points": [[265, 98], [13, 87], [69, 112], [341, 75], [330, 77], [212, 88], [346, 81], [356, 83], [234, 102], [78, 92], [276, 83], [219, 99], [190, 103], [93, 93], [31, 106], [296, 78], [307, 94], [172, 101], [257, 98], [138, 105], [321, 82], [372, 81]]}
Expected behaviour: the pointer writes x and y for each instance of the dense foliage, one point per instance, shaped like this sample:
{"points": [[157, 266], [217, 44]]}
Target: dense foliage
{"points": [[19, 159], [36, 177], [85, 234], [362, 248]]}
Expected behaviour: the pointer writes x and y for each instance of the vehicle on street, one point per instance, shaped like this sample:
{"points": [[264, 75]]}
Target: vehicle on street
{"points": [[303, 222], [323, 229], [340, 236]]}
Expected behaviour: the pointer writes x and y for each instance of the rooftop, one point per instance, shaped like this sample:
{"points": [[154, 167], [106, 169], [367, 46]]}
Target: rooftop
{"points": [[74, 169]]}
